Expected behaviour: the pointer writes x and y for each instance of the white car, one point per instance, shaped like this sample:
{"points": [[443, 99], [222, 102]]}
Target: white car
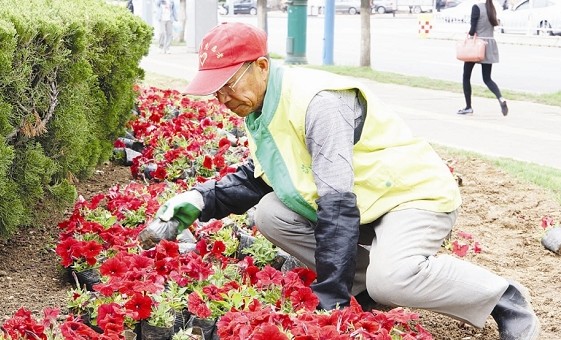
{"points": [[544, 18], [462, 12], [342, 6], [458, 14]]}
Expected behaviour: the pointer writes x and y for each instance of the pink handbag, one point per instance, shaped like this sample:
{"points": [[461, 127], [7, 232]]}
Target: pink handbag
{"points": [[471, 49]]}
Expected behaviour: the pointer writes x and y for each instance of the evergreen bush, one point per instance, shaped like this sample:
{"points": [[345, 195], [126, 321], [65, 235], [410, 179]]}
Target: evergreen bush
{"points": [[67, 75]]}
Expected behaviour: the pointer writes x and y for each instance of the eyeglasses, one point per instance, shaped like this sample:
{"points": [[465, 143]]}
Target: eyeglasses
{"points": [[229, 89]]}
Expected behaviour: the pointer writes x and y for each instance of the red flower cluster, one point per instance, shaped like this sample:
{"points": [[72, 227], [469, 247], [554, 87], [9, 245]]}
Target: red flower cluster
{"points": [[107, 223], [184, 137], [23, 326], [461, 248], [264, 322]]}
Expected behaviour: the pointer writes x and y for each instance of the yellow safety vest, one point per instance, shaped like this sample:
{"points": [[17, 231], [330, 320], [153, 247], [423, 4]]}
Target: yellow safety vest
{"points": [[393, 170]]}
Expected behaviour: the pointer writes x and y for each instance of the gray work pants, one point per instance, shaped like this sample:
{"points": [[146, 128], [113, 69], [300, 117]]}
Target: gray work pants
{"points": [[401, 268]]}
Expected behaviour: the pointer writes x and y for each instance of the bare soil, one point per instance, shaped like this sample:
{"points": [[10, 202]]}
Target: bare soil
{"points": [[502, 213]]}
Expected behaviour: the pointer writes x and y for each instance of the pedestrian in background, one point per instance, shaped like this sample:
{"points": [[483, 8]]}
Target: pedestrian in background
{"points": [[341, 183], [130, 6], [483, 22], [167, 15]]}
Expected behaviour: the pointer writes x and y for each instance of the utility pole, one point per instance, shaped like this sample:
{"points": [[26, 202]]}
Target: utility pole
{"points": [[297, 28], [262, 15], [328, 32]]}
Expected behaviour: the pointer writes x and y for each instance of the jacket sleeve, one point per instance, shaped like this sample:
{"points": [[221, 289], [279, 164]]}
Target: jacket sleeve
{"points": [[474, 18], [173, 11], [234, 193]]}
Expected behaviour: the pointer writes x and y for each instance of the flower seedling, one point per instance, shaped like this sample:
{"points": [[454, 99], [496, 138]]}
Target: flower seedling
{"points": [[461, 247]]}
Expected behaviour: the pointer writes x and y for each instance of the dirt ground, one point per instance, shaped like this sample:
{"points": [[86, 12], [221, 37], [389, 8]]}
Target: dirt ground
{"points": [[501, 213]]}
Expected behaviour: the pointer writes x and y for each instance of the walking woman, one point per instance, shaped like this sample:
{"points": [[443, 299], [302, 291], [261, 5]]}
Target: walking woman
{"points": [[483, 22]]}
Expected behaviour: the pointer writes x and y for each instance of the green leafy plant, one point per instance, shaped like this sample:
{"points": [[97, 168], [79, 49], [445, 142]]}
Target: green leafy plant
{"points": [[188, 334], [162, 315], [174, 296], [226, 235], [262, 251]]}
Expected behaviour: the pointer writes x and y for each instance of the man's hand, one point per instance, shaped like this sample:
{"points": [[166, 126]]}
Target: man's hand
{"points": [[173, 217], [185, 208]]}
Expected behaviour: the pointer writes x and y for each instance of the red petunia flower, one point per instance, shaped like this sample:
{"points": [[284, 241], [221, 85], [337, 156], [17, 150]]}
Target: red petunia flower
{"points": [[304, 298], [139, 307], [268, 276], [111, 315], [77, 330], [268, 332], [207, 162], [459, 249], [114, 267], [197, 306]]}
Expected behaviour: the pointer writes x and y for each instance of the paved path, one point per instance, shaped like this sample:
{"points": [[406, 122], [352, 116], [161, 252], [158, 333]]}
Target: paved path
{"points": [[531, 132]]}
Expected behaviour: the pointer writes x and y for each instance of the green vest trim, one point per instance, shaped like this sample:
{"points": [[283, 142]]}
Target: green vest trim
{"points": [[267, 154]]}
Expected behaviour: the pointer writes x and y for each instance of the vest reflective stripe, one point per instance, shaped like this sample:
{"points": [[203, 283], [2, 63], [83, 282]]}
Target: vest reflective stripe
{"points": [[382, 159]]}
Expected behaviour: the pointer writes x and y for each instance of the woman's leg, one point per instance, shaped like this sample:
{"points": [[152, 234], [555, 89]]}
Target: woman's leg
{"points": [[162, 39], [466, 82], [486, 73], [169, 35]]}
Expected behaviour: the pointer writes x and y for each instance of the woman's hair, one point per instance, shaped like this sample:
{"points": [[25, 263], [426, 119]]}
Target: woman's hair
{"points": [[491, 13]]}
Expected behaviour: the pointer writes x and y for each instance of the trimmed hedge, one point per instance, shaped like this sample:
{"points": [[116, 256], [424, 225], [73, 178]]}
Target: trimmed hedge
{"points": [[67, 72]]}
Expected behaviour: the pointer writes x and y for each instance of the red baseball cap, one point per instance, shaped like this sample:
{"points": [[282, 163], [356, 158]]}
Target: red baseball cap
{"points": [[222, 52]]}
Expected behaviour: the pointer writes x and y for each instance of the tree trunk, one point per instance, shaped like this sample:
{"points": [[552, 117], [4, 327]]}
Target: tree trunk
{"points": [[182, 19], [262, 14], [365, 12]]}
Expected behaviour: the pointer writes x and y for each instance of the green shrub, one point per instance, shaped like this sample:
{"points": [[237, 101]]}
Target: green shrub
{"points": [[67, 75]]}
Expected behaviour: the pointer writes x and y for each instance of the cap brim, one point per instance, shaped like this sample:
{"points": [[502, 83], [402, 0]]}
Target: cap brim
{"points": [[208, 82]]}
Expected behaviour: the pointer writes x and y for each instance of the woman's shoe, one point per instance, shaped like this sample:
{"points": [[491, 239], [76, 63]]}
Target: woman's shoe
{"points": [[466, 111], [504, 108]]}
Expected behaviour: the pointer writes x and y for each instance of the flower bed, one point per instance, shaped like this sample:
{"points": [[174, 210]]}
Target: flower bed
{"points": [[218, 285]]}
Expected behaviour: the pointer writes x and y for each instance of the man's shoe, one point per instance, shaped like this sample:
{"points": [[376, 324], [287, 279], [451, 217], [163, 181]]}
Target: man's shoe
{"points": [[504, 108], [366, 302], [514, 314], [466, 111]]}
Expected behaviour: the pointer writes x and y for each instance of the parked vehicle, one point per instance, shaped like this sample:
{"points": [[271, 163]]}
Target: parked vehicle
{"points": [[384, 6], [444, 4], [415, 6], [240, 7], [544, 18], [343, 6], [461, 13]]}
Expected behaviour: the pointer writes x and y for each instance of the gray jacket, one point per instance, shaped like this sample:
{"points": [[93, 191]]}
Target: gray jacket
{"points": [[159, 9]]}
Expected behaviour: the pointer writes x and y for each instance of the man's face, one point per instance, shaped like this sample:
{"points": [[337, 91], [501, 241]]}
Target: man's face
{"points": [[245, 91]]}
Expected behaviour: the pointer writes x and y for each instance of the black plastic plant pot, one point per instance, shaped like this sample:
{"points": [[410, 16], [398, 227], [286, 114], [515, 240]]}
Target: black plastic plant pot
{"points": [[245, 242], [86, 320], [88, 278], [150, 332], [182, 320], [208, 327], [132, 144], [149, 168]]}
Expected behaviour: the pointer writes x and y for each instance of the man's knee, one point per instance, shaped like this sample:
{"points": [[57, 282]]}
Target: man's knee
{"points": [[389, 283], [265, 214]]}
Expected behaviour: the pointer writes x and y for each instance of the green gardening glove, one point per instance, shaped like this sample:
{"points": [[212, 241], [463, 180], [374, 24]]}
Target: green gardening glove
{"points": [[185, 208]]}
